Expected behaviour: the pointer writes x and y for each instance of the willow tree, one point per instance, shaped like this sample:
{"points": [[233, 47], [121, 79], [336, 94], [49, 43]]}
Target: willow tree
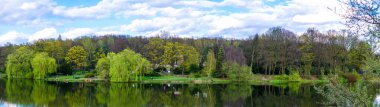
{"points": [[103, 66], [18, 63], [128, 66], [210, 65], [43, 65]]}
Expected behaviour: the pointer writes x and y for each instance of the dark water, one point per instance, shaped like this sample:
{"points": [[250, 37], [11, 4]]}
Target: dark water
{"points": [[41, 93]]}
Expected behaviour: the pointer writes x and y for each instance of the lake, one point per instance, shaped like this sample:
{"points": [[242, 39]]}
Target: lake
{"points": [[42, 93]]}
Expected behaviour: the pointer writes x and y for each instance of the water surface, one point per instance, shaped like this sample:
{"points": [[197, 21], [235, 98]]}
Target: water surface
{"points": [[42, 93]]}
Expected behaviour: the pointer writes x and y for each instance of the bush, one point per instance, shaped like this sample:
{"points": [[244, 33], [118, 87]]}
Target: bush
{"points": [[351, 77], [295, 77], [195, 75], [281, 77], [89, 75], [237, 72]]}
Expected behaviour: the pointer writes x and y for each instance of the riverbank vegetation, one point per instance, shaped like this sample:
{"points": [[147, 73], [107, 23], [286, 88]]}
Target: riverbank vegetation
{"points": [[120, 58]]}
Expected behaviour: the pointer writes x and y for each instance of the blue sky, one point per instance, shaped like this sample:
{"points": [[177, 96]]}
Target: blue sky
{"points": [[30, 20]]}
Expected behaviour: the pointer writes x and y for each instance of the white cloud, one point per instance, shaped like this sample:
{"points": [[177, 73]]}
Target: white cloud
{"points": [[228, 18], [74, 33], [23, 10], [12, 37], [46, 33]]}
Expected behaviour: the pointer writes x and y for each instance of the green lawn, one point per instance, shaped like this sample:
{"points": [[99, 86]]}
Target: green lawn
{"points": [[180, 79]]}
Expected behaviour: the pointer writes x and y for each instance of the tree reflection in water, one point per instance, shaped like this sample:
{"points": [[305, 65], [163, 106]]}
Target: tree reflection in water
{"points": [[41, 93]]}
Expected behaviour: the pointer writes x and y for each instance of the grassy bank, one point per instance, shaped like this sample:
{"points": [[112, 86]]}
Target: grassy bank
{"points": [[256, 79]]}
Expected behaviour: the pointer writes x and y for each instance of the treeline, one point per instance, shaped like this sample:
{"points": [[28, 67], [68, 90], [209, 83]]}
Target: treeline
{"points": [[277, 51]]}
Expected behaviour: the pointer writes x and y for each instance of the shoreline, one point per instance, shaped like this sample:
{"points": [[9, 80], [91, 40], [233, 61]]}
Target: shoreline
{"points": [[264, 80], [183, 80]]}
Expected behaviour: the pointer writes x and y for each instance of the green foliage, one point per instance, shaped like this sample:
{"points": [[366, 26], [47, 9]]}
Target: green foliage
{"points": [[307, 55], [103, 66], [281, 77], [19, 63], [210, 64], [177, 54], [89, 75], [195, 75], [343, 95], [236, 72], [358, 55], [78, 56], [155, 49], [43, 93], [219, 63], [234, 92], [43, 65], [351, 77], [128, 66], [292, 77], [90, 47]]}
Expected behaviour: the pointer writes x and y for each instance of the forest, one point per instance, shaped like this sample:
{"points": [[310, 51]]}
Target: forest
{"points": [[125, 58]]}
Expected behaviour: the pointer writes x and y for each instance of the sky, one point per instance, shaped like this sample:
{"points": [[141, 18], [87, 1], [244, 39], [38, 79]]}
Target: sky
{"points": [[30, 20]]}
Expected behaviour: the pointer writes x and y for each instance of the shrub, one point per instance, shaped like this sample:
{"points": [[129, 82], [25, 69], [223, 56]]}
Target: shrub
{"points": [[351, 77], [89, 75], [195, 75], [237, 72], [295, 77], [281, 77]]}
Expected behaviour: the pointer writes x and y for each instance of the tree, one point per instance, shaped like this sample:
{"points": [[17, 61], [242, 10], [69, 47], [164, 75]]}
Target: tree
{"points": [[358, 55], [219, 63], [43, 65], [103, 66], [235, 55], [90, 47], [237, 72], [77, 55], [179, 55], [128, 66], [18, 63], [307, 55], [362, 14], [210, 64], [4, 52], [155, 49]]}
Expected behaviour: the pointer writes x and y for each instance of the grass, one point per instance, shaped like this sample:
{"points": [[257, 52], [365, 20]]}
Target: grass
{"points": [[181, 79], [256, 79]]}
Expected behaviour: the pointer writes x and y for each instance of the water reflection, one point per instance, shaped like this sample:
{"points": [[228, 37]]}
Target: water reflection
{"points": [[41, 93]]}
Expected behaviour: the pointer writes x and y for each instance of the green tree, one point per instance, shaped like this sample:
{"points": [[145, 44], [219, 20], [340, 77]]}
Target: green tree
{"points": [[179, 55], [210, 64], [77, 55], [237, 72], [103, 66], [155, 49], [307, 55], [357, 56], [19, 63], [219, 63], [43, 65], [90, 47], [128, 66]]}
